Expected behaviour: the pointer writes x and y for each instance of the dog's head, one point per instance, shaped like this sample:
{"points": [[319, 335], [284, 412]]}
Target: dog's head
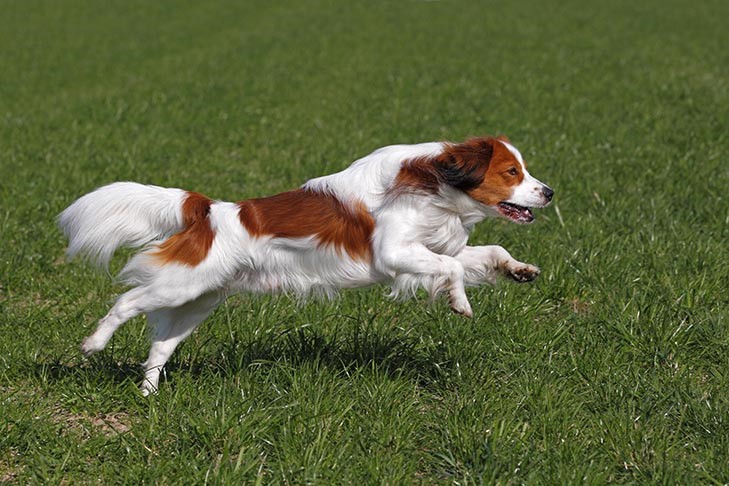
{"points": [[493, 172]]}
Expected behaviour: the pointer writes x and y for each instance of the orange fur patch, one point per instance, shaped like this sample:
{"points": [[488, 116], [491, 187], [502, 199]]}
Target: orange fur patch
{"points": [[498, 181], [461, 166], [479, 166], [301, 213], [192, 244], [417, 175]]}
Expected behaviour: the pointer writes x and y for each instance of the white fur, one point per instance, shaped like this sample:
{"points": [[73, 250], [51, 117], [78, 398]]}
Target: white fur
{"points": [[514, 151], [530, 192], [368, 178], [120, 214], [419, 241]]}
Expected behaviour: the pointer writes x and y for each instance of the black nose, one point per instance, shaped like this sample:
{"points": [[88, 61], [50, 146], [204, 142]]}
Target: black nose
{"points": [[548, 192]]}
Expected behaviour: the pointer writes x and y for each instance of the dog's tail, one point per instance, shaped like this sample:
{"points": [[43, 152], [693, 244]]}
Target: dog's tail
{"points": [[121, 214]]}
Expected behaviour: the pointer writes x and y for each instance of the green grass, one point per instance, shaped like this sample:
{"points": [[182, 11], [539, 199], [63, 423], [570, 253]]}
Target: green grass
{"points": [[614, 366]]}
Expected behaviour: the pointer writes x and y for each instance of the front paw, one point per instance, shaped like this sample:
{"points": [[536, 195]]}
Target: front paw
{"points": [[460, 305], [91, 345], [523, 272]]}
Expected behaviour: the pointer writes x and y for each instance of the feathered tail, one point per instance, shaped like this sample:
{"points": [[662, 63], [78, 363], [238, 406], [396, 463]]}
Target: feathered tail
{"points": [[121, 214]]}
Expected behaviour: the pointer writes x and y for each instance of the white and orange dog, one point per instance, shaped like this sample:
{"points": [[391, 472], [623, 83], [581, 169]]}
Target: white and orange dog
{"points": [[401, 216]]}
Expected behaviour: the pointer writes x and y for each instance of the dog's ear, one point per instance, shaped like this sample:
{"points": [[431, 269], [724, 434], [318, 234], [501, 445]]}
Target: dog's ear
{"points": [[504, 138], [464, 165]]}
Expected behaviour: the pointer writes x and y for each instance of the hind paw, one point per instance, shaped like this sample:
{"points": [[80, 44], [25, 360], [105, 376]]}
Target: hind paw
{"points": [[460, 305]]}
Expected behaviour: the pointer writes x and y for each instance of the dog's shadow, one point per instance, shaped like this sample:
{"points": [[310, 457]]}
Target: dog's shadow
{"points": [[360, 346], [93, 373]]}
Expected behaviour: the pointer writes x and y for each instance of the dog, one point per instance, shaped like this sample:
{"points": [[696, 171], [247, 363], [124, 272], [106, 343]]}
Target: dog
{"points": [[399, 216]]}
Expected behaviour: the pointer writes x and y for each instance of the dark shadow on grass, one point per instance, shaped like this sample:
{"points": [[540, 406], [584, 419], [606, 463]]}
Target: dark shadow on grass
{"points": [[98, 370], [353, 345]]}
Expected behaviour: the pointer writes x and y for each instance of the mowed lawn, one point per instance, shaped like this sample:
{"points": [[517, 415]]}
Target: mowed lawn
{"points": [[612, 367]]}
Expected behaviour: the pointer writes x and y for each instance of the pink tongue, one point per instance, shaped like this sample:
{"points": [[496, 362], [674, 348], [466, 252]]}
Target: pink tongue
{"points": [[518, 214], [526, 215]]}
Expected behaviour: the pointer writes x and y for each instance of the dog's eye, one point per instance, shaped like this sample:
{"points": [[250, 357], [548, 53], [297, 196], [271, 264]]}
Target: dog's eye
{"points": [[512, 171]]}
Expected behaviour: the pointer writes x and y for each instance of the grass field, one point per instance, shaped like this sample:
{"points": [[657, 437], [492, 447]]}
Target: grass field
{"points": [[614, 366]]}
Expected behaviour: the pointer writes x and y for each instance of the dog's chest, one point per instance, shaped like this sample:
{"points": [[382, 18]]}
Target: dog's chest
{"points": [[447, 236]]}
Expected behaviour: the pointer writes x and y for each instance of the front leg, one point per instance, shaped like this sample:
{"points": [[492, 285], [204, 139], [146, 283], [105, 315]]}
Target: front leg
{"points": [[414, 266], [483, 264]]}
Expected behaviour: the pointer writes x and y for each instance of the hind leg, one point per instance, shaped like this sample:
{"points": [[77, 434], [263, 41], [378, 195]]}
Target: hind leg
{"points": [[134, 302], [171, 327], [126, 307]]}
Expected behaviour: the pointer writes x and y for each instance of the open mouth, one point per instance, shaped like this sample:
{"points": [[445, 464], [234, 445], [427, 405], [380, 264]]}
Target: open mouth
{"points": [[516, 213]]}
